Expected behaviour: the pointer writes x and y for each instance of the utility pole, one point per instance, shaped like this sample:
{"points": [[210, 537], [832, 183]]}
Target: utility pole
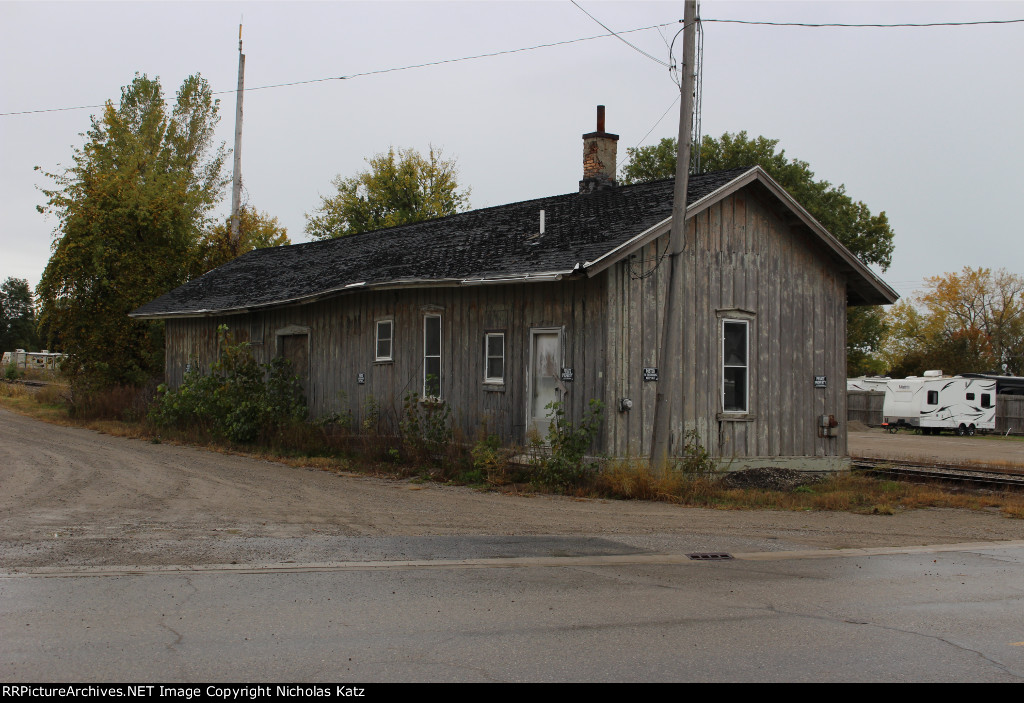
{"points": [[236, 182], [670, 359]]}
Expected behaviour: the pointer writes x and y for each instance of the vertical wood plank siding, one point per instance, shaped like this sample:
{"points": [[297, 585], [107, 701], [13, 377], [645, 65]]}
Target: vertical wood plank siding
{"points": [[740, 259], [342, 337]]}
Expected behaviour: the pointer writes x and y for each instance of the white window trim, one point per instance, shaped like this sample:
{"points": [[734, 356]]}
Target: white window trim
{"points": [[746, 366], [497, 380], [440, 356], [377, 340]]}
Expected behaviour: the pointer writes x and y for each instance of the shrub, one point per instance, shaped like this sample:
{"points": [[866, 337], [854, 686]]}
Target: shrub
{"points": [[696, 459], [426, 428], [564, 466], [11, 373], [239, 400], [491, 459]]}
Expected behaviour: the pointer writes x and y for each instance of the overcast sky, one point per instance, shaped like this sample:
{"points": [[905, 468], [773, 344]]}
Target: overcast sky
{"points": [[926, 124]]}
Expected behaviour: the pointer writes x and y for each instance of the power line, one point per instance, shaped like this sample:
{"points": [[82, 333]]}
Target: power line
{"points": [[866, 25], [560, 43], [383, 70], [632, 46]]}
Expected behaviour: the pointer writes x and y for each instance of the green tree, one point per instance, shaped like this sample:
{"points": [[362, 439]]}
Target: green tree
{"points": [[401, 186], [867, 235], [17, 316], [130, 211], [961, 322], [256, 230]]}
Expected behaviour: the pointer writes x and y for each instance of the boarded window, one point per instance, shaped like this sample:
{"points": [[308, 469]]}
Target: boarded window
{"points": [[735, 367], [494, 357], [432, 356], [385, 333]]}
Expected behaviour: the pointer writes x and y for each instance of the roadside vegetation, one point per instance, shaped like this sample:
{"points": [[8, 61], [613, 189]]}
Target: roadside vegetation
{"points": [[257, 410]]}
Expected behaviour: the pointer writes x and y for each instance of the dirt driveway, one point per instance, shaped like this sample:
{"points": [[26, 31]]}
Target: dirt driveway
{"points": [[76, 497]]}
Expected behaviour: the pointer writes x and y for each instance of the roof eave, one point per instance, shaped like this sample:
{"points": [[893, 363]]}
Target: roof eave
{"points": [[535, 277]]}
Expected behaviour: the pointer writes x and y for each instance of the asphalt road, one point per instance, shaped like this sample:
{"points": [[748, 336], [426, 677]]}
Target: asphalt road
{"points": [[929, 614]]}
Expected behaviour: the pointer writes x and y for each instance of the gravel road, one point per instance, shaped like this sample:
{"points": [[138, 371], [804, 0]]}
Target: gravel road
{"points": [[876, 443], [73, 497]]}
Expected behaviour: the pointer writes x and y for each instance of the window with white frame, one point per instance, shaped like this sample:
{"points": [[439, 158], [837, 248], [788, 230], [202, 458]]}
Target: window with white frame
{"points": [[494, 357], [385, 340], [735, 366], [432, 356]]}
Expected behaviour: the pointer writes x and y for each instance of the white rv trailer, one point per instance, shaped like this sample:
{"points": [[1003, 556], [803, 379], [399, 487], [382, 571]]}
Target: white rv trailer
{"points": [[867, 383], [934, 402]]}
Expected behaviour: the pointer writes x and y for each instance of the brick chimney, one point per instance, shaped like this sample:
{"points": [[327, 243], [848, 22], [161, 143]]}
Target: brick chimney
{"points": [[599, 152]]}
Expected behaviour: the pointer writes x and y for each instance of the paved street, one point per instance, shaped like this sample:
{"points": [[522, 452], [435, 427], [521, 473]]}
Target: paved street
{"points": [[928, 614]]}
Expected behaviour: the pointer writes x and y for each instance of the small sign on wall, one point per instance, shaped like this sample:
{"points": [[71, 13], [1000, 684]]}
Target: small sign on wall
{"points": [[821, 382], [568, 374], [650, 374], [361, 378]]}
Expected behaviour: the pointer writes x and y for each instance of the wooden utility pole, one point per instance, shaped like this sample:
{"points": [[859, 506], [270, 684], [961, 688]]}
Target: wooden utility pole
{"points": [[670, 358], [236, 182]]}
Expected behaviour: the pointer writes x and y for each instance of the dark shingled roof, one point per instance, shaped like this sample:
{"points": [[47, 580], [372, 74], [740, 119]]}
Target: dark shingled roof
{"points": [[492, 243], [486, 243]]}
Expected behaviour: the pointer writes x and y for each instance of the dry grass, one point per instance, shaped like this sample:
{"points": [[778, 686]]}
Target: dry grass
{"points": [[842, 492]]}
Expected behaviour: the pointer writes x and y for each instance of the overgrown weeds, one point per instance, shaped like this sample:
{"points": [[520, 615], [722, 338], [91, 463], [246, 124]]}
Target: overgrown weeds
{"points": [[565, 466], [240, 400]]}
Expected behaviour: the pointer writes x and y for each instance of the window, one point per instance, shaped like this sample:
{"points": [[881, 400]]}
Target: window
{"points": [[933, 397], [494, 357], [970, 396], [385, 337], [986, 400], [432, 356], [735, 366]]}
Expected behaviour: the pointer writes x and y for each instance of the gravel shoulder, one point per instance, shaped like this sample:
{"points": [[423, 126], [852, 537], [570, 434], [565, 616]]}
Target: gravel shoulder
{"points": [[73, 497]]}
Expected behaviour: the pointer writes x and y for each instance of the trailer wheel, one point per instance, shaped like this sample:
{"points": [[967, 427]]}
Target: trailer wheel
{"points": [[961, 431], [892, 429], [971, 430]]}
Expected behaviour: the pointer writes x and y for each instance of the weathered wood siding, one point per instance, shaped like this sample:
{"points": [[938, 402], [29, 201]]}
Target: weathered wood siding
{"points": [[741, 259], [342, 334], [1010, 414], [865, 406]]}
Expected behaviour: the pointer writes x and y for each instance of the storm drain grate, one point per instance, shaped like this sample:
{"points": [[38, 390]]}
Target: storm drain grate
{"points": [[709, 556]]}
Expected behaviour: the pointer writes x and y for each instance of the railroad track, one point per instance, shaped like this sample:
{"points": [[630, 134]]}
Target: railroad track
{"points": [[939, 472]]}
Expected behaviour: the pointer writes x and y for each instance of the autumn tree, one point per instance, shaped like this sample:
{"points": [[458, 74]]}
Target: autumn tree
{"points": [[130, 212], [972, 321], [400, 187], [17, 316], [867, 235], [256, 230]]}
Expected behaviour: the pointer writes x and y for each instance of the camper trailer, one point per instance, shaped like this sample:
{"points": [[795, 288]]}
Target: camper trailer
{"points": [[867, 383], [934, 402], [40, 361]]}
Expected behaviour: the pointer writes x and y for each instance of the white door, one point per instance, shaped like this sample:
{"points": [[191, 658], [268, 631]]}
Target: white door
{"points": [[545, 367]]}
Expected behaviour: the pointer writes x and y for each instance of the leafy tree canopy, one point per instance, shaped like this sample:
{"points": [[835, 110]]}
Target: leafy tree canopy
{"points": [[867, 235], [17, 316], [130, 211], [400, 187], [972, 321], [256, 230]]}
